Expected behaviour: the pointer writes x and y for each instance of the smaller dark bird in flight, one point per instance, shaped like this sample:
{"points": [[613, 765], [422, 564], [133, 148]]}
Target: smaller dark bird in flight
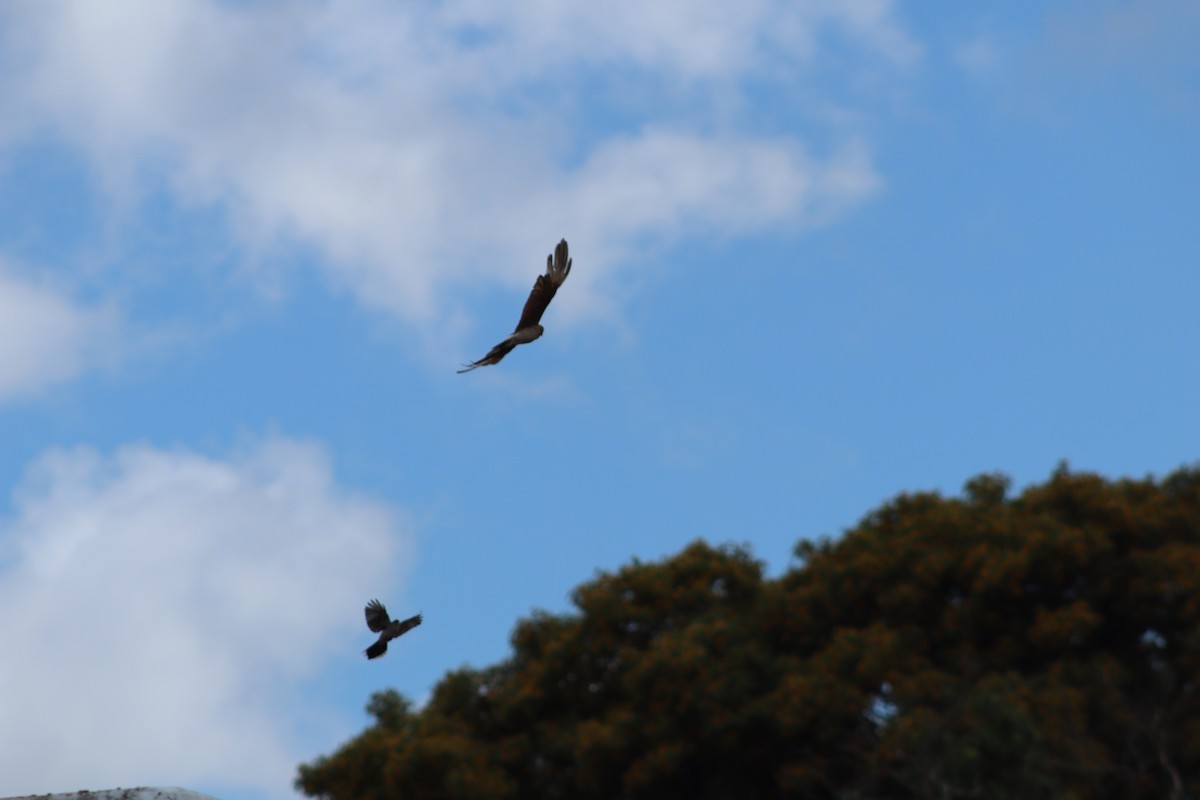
{"points": [[388, 629], [558, 267]]}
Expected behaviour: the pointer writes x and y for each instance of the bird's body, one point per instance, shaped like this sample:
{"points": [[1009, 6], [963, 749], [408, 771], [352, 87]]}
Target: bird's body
{"points": [[558, 266], [387, 628]]}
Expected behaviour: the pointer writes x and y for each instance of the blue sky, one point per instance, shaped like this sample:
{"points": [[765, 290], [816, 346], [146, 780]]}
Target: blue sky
{"points": [[824, 253]]}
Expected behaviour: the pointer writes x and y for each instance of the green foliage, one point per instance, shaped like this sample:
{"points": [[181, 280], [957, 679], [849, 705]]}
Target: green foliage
{"points": [[1039, 646]]}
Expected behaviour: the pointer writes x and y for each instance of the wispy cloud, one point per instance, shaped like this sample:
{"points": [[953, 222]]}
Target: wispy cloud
{"points": [[418, 148], [172, 605], [979, 56], [46, 337], [1153, 39], [1114, 49]]}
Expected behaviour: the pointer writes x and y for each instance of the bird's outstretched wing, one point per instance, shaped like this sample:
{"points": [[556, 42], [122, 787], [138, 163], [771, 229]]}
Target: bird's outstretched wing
{"points": [[399, 628], [493, 357], [558, 267], [377, 616]]}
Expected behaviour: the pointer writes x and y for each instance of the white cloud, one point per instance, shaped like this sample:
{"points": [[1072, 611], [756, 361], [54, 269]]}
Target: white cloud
{"points": [[662, 180], [686, 41], [161, 611], [46, 338], [424, 146]]}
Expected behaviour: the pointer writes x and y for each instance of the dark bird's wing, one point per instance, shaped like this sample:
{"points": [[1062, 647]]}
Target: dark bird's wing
{"points": [[401, 627], [493, 357], [377, 617], [558, 267]]}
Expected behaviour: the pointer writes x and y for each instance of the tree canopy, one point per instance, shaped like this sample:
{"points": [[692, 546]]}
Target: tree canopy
{"points": [[1045, 645]]}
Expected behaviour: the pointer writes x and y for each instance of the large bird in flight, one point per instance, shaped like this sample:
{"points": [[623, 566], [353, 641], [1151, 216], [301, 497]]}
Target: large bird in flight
{"points": [[388, 629], [558, 267]]}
